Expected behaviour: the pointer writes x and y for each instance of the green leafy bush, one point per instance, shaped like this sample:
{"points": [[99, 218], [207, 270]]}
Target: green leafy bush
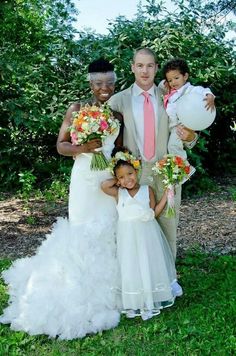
{"points": [[43, 69]]}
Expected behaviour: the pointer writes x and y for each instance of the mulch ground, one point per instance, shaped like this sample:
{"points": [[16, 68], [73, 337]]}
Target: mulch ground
{"points": [[207, 223]]}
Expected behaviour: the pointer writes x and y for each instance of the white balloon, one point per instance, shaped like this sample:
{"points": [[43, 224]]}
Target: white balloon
{"points": [[192, 113]]}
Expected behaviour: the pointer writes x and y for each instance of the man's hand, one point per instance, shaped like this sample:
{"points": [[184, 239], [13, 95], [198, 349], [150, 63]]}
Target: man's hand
{"points": [[185, 134]]}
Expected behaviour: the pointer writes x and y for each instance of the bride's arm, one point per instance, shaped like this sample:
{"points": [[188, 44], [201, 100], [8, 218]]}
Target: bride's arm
{"points": [[64, 145]]}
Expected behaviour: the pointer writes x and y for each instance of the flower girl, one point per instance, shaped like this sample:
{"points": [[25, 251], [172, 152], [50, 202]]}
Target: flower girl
{"points": [[148, 276]]}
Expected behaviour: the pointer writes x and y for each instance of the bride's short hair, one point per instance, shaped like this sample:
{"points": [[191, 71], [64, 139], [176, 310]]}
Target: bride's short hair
{"points": [[100, 65]]}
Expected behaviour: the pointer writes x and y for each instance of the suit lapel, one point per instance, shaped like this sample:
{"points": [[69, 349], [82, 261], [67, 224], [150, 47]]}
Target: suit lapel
{"points": [[159, 115], [130, 125]]}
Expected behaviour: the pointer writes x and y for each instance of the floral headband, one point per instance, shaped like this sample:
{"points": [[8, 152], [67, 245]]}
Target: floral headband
{"points": [[124, 156]]}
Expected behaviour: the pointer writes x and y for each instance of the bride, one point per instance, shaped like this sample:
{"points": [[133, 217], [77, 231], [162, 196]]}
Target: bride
{"points": [[68, 289]]}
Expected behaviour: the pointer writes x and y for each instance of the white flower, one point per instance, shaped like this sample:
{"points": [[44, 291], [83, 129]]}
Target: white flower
{"points": [[233, 128], [94, 126], [84, 126]]}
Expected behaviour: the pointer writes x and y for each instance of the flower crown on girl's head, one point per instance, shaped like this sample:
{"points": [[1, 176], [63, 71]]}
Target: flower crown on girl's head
{"points": [[124, 156]]}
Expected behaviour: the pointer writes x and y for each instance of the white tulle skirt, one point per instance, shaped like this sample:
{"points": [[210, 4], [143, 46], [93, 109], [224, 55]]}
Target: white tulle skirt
{"points": [[68, 289]]}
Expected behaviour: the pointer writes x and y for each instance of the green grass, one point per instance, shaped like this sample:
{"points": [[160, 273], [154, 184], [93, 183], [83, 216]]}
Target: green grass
{"points": [[202, 322], [232, 191]]}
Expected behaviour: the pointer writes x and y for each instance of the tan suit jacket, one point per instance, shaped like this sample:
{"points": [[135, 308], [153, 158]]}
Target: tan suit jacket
{"points": [[122, 102]]}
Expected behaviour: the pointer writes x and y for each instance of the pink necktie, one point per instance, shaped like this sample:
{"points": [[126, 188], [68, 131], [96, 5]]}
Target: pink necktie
{"points": [[149, 127], [167, 96]]}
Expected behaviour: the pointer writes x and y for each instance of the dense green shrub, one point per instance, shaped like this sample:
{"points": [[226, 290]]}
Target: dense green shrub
{"points": [[43, 69]]}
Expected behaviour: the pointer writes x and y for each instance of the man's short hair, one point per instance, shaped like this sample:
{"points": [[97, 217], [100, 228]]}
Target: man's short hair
{"points": [[145, 50]]}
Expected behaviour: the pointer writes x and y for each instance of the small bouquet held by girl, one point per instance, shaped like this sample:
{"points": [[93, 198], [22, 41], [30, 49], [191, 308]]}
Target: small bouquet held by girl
{"points": [[91, 122], [174, 170]]}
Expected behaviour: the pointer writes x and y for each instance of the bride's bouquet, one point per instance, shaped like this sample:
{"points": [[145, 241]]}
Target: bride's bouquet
{"points": [[92, 122], [173, 170]]}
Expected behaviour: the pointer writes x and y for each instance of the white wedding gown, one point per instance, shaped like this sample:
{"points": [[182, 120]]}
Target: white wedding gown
{"points": [[68, 289]]}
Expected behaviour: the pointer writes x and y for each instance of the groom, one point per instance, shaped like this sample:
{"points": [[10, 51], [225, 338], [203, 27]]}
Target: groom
{"points": [[146, 130]]}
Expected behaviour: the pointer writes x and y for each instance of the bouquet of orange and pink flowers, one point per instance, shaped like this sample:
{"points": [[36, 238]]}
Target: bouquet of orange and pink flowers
{"points": [[174, 170], [93, 122]]}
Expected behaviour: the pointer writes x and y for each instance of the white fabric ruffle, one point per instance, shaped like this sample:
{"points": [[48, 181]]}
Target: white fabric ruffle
{"points": [[68, 289], [63, 289]]}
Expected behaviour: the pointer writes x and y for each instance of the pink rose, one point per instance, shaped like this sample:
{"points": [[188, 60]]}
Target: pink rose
{"points": [[103, 125], [73, 136]]}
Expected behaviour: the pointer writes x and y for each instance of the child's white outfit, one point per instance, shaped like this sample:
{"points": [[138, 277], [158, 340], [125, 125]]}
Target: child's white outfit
{"points": [[146, 262], [175, 144]]}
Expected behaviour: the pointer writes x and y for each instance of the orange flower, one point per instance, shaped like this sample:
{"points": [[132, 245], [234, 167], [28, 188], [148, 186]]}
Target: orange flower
{"points": [[78, 122], [187, 169], [162, 162], [179, 161], [95, 114], [83, 113]]}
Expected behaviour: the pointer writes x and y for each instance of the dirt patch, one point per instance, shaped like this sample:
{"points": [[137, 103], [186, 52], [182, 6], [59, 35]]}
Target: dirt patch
{"points": [[23, 226], [208, 222]]}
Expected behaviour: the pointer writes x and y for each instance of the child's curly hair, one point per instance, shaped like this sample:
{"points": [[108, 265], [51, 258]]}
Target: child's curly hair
{"points": [[175, 64]]}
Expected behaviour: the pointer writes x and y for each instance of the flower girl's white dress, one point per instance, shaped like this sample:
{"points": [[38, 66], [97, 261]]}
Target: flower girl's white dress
{"points": [[66, 289], [146, 262]]}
